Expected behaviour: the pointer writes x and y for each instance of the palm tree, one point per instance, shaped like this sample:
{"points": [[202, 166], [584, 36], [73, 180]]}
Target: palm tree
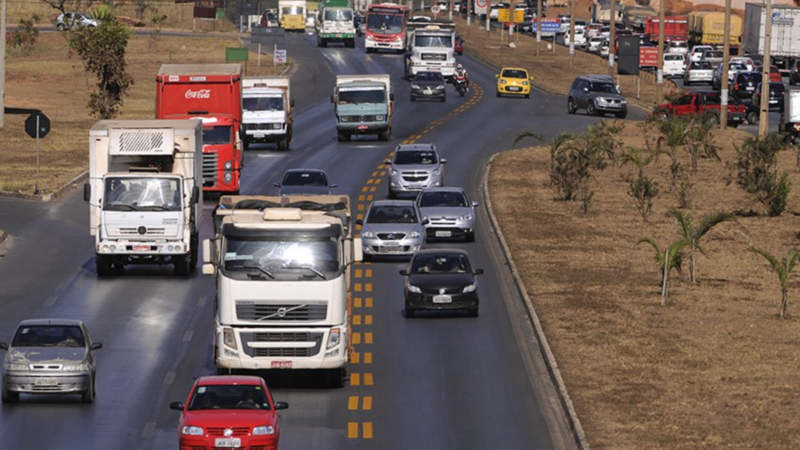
{"points": [[692, 233], [642, 188], [667, 259], [781, 268]]}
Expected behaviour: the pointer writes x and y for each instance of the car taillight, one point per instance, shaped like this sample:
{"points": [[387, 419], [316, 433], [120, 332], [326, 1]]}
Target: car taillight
{"points": [[736, 86]]}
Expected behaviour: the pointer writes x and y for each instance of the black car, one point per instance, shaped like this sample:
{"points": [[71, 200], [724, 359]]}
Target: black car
{"points": [[441, 279], [304, 182], [428, 85], [745, 84], [776, 91]]}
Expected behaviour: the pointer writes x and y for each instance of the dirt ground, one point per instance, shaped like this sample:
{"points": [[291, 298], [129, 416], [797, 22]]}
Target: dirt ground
{"points": [[715, 368], [53, 80]]}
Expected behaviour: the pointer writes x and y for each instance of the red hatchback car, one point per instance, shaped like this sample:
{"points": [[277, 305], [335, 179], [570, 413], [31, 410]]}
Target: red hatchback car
{"points": [[229, 412], [774, 73]]}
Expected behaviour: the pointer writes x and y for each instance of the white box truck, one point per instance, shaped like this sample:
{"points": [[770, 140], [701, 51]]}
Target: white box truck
{"points": [[282, 266], [267, 111], [144, 191], [432, 50], [785, 41]]}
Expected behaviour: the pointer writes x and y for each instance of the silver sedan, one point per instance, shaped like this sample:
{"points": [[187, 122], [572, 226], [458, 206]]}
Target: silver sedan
{"points": [[698, 72], [449, 212], [392, 228], [50, 356]]}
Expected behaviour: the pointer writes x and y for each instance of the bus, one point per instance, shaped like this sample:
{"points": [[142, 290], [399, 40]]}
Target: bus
{"points": [[386, 27], [292, 15]]}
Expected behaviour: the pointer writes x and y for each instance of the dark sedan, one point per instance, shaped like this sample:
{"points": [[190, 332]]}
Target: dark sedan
{"points": [[745, 83], [428, 85], [776, 91], [441, 279]]}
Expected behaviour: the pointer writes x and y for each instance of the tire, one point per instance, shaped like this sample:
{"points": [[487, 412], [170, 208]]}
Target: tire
{"points": [[88, 396], [527, 95], [61, 27], [336, 378], [245, 144], [323, 43], [193, 251], [409, 313], [104, 266], [752, 118], [369, 50], [341, 137], [590, 109], [686, 82], [473, 312], [385, 135], [283, 144], [734, 125], [8, 396], [571, 106], [498, 93], [444, 99], [469, 237], [621, 115], [413, 99], [183, 266]]}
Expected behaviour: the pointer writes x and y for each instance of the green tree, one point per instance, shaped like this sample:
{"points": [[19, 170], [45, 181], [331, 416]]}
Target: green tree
{"points": [[700, 141], [757, 172], [667, 259], [102, 50], [642, 188], [691, 233], [781, 268], [674, 131]]}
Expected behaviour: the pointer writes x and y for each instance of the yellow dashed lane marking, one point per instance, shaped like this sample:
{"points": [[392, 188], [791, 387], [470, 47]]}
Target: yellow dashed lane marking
{"points": [[368, 358], [352, 403], [355, 358], [367, 403], [368, 338], [367, 379], [358, 287], [357, 319], [368, 319], [357, 302], [355, 379], [368, 287], [368, 273], [356, 338], [369, 302], [367, 430], [352, 430]]}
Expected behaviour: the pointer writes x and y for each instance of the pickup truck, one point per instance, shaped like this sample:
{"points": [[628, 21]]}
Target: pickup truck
{"points": [[701, 102]]}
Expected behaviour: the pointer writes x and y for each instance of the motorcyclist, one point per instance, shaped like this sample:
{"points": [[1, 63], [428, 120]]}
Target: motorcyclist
{"points": [[461, 72]]}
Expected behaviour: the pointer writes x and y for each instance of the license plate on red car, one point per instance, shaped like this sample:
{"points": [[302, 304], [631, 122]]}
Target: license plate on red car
{"points": [[228, 442], [279, 365], [141, 248]]}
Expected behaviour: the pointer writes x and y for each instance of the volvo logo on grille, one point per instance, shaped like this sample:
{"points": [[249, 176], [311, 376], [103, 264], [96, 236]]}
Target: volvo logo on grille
{"points": [[228, 432], [442, 291], [142, 230], [281, 312]]}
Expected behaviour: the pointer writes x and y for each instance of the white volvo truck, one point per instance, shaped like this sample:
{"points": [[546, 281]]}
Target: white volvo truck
{"points": [[145, 181], [282, 267], [432, 50], [267, 111]]}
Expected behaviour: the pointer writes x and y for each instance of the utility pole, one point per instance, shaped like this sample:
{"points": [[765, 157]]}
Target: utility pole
{"points": [[450, 5], [726, 56], [571, 34], [660, 66], [469, 13], [538, 25], [763, 120], [612, 37], [2, 65]]}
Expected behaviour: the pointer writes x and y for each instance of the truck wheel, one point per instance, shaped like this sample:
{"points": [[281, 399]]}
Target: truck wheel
{"points": [[350, 44], [245, 143], [193, 248], [103, 265], [283, 144], [337, 377], [385, 135], [183, 265], [8, 396]]}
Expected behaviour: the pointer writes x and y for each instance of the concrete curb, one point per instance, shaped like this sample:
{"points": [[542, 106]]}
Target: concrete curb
{"points": [[3, 236], [552, 367], [50, 196]]}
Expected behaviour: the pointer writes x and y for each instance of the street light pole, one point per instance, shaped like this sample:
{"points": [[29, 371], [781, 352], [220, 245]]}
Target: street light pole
{"points": [[571, 34], [763, 120], [660, 67], [538, 25], [2, 65], [726, 54], [612, 32]]}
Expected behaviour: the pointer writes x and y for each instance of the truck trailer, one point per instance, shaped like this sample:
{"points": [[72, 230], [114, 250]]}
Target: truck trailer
{"points": [[283, 270], [267, 111], [785, 41], [708, 28], [144, 193], [213, 93], [363, 104]]}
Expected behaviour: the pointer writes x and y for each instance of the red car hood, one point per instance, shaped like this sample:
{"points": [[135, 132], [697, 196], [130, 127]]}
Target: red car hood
{"points": [[229, 418]]}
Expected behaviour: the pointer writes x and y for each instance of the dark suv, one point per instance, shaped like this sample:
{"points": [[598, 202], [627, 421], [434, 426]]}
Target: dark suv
{"points": [[598, 95], [745, 84]]}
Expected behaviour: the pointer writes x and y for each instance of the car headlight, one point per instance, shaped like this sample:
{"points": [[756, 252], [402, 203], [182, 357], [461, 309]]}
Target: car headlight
{"points": [[368, 234], [193, 431], [394, 173], [344, 118], [414, 234], [369, 37], [415, 86], [228, 165], [75, 367], [469, 288], [334, 338], [439, 88], [229, 339], [436, 172], [379, 117], [414, 289], [623, 101], [264, 429], [12, 367], [503, 81], [399, 40], [465, 217], [524, 83]]}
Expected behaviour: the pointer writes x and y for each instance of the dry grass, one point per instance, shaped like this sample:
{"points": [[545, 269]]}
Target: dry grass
{"points": [[713, 369], [53, 80]]}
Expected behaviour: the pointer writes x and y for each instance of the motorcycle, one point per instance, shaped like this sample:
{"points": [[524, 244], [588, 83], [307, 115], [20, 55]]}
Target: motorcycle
{"points": [[461, 84]]}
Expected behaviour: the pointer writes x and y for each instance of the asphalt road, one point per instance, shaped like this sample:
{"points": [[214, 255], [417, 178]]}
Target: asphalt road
{"points": [[440, 382]]}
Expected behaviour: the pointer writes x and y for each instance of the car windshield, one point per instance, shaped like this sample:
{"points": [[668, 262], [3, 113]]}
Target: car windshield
{"points": [[239, 396], [673, 58], [282, 256], [752, 76], [142, 194], [702, 65], [433, 41], [292, 10], [362, 96], [511, 73], [606, 88], [338, 15], [385, 23], [442, 198], [678, 44], [777, 87], [262, 103], [392, 214], [305, 179], [217, 135], [440, 263], [713, 54], [429, 76], [416, 157], [69, 336], [737, 67]]}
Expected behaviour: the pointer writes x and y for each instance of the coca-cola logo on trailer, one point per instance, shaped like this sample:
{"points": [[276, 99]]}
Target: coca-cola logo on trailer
{"points": [[202, 93]]}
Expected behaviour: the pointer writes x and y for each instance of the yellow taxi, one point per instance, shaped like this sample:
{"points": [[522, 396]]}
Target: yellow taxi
{"points": [[513, 80]]}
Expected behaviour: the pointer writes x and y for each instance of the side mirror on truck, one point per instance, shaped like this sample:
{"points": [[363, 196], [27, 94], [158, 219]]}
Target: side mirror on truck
{"points": [[196, 195], [87, 192], [291, 103], [332, 99], [391, 96]]}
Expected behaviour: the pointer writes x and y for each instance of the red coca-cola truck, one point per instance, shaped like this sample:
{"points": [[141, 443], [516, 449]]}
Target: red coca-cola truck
{"points": [[676, 28], [213, 93]]}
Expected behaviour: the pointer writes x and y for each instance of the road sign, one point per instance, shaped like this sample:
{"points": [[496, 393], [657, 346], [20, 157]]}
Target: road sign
{"points": [[480, 6], [280, 56], [37, 125], [435, 9], [549, 26], [503, 15], [648, 57]]}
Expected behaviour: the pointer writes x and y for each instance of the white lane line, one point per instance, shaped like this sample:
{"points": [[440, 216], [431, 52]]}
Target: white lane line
{"points": [[50, 300], [169, 378], [201, 301], [148, 430], [188, 336], [62, 285], [268, 155]]}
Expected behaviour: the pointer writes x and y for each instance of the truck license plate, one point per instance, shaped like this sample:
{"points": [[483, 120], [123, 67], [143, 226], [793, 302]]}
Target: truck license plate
{"points": [[228, 442], [442, 299], [141, 248], [279, 365], [363, 127], [443, 234], [46, 382]]}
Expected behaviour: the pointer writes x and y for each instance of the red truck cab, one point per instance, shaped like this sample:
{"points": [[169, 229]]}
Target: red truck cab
{"points": [[701, 102], [213, 93]]}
